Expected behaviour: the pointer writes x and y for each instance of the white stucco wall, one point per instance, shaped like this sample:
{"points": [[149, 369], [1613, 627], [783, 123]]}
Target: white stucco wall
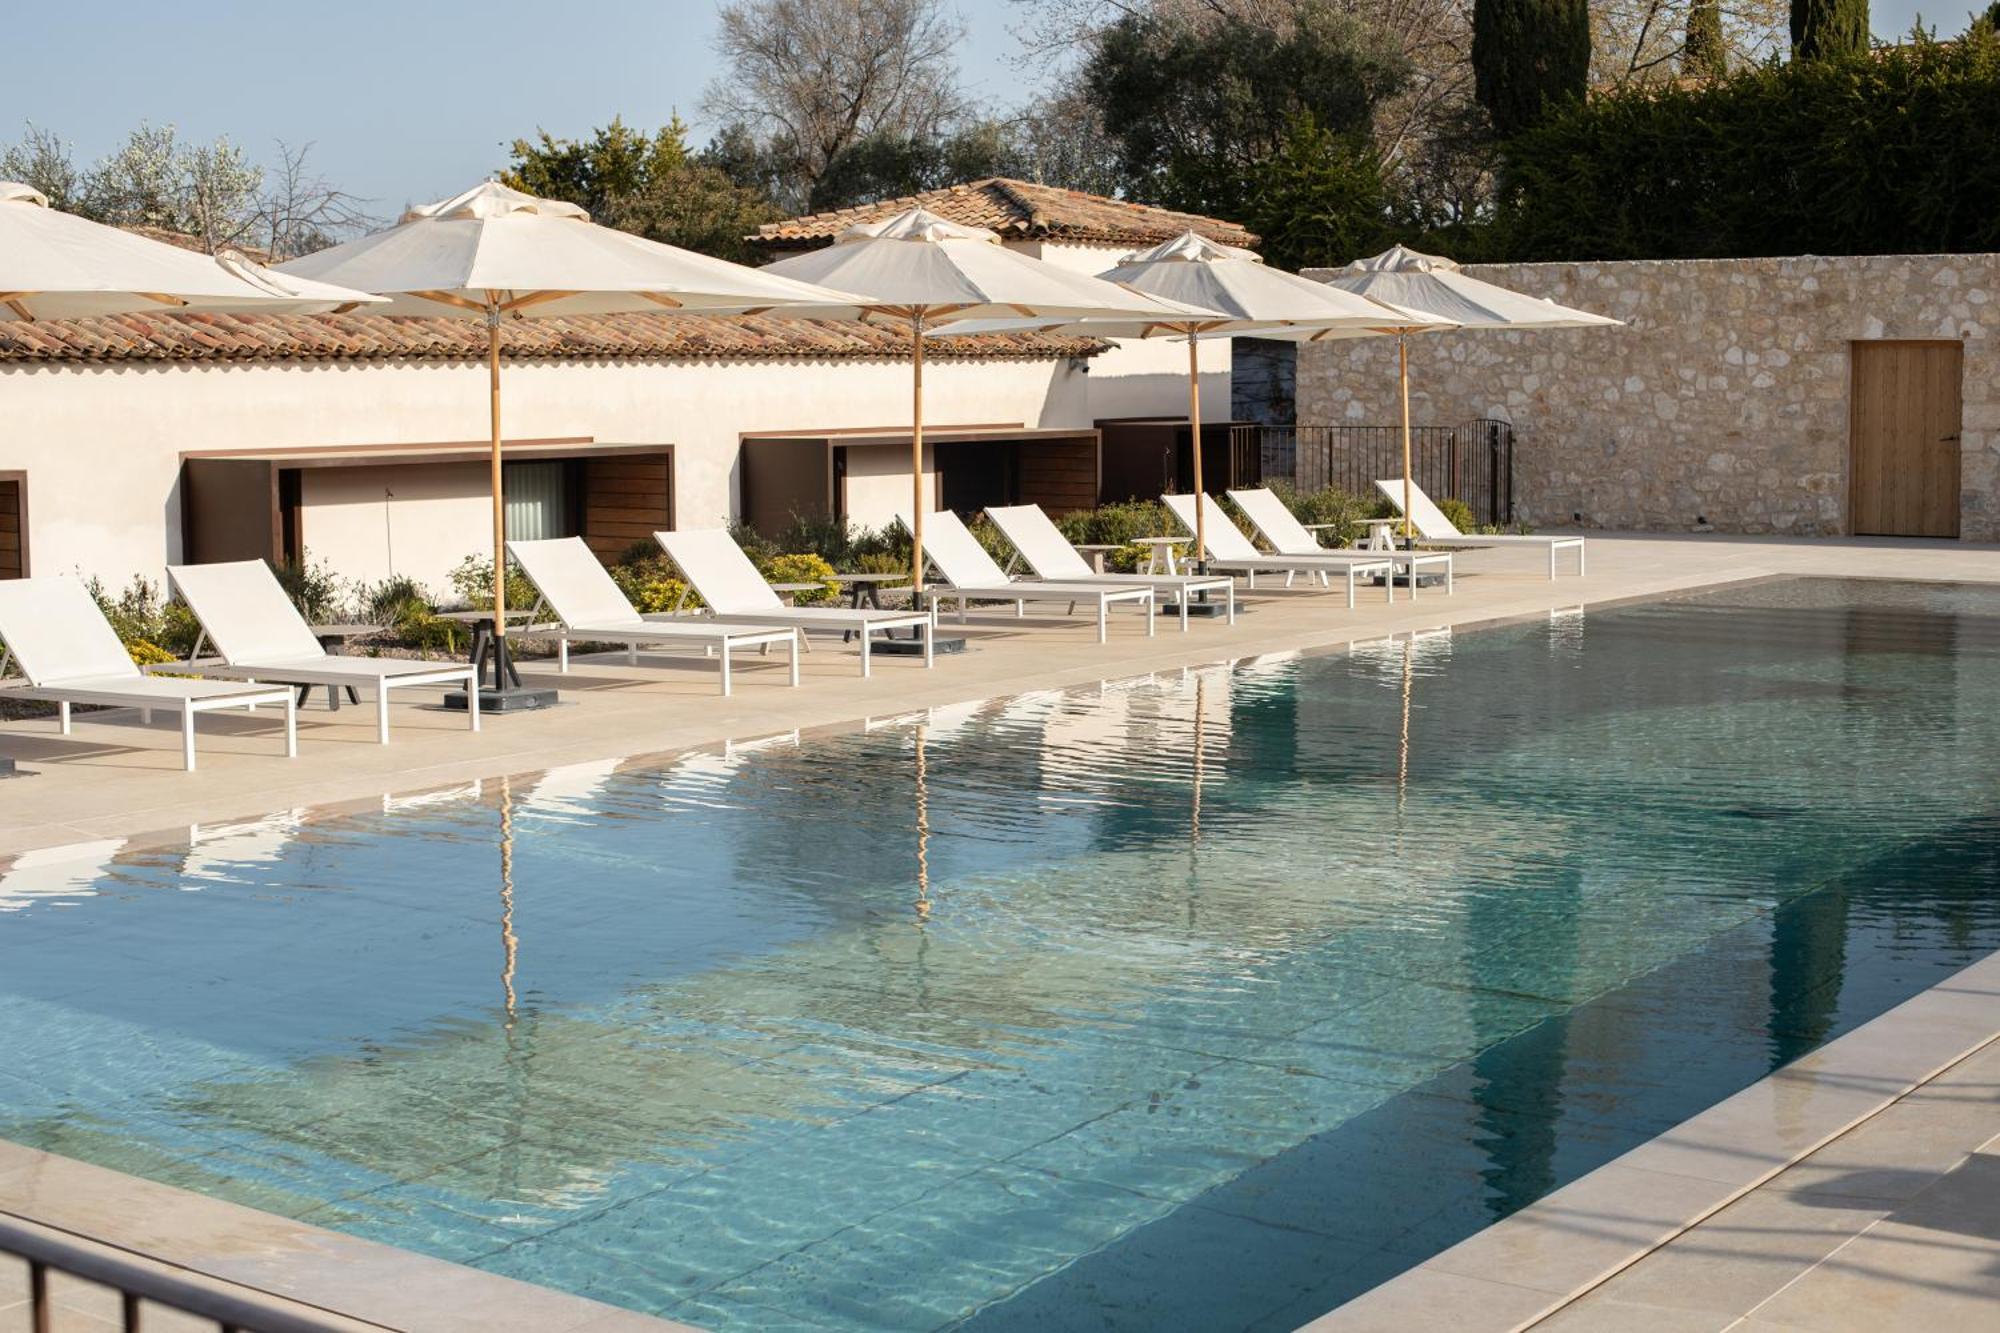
{"points": [[878, 483], [102, 444], [1142, 377]]}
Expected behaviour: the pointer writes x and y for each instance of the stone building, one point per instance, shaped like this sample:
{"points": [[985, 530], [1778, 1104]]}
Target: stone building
{"points": [[1807, 395]]}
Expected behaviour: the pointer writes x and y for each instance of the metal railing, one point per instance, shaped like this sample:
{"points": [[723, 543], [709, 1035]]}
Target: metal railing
{"points": [[138, 1283], [1473, 462]]}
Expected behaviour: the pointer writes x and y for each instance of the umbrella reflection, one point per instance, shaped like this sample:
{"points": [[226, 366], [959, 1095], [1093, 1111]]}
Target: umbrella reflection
{"points": [[923, 903]]}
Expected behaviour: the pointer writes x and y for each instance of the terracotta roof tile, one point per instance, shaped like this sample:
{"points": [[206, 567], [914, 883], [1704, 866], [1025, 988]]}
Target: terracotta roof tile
{"points": [[164, 337], [1017, 210]]}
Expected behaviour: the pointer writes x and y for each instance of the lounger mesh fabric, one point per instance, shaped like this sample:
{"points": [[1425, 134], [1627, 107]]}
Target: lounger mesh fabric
{"points": [[719, 571], [246, 613], [958, 554], [1225, 540], [1279, 525], [1429, 519], [56, 632], [1040, 541], [574, 584]]}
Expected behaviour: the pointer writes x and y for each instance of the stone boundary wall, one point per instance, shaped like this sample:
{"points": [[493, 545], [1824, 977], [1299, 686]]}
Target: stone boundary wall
{"points": [[1722, 405]]}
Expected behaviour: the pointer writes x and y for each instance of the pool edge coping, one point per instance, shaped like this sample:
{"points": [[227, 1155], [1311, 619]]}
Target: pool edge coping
{"points": [[1576, 1239], [350, 1281]]}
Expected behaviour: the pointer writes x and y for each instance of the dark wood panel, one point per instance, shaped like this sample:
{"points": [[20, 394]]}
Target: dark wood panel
{"points": [[13, 546], [626, 499]]}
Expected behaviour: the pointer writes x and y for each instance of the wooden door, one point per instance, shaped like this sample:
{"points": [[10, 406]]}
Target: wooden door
{"points": [[1903, 439]]}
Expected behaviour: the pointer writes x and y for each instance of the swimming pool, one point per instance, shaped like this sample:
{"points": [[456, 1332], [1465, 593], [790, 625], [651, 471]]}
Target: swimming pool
{"points": [[1200, 1001]]}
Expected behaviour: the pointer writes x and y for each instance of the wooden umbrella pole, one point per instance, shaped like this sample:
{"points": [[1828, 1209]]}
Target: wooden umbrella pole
{"points": [[499, 505], [917, 459], [1403, 382], [1194, 442]]}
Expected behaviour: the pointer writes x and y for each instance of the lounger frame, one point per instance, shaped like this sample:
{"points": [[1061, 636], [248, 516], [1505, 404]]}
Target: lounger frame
{"points": [[1016, 523], [736, 593], [1431, 533]]}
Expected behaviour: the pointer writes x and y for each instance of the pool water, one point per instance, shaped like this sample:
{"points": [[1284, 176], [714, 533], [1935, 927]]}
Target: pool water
{"points": [[1202, 1001]]}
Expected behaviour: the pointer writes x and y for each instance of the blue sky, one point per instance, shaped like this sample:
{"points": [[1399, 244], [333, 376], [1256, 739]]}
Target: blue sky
{"points": [[408, 100]]}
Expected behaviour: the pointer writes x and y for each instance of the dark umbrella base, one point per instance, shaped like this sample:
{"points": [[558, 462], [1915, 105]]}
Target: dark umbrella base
{"points": [[1196, 610], [7, 769], [515, 699], [913, 647]]}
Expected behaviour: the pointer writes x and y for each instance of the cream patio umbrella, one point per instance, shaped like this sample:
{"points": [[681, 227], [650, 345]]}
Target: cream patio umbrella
{"points": [[495, 253], [931, 273], [56, 265], [1434, 286], [1242, 295]]}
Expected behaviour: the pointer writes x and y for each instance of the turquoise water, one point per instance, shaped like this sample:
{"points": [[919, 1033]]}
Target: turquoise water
{"points": [[1203, 1001]]}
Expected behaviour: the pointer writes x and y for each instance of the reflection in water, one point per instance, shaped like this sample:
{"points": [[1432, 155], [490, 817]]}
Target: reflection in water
{"points": [[923, 903], [735, 1080], [509, 943]]}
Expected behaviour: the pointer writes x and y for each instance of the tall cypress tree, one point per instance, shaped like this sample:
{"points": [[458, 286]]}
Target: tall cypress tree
{"points": [[1829, 29], [1528, 56], [1703, 55]]}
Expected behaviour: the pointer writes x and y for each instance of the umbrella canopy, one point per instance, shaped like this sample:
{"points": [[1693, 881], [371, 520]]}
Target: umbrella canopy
{"points": [[920, 268], [495, 253], [55, 265], [1436, 287], [493, 246], [1242, 295]]}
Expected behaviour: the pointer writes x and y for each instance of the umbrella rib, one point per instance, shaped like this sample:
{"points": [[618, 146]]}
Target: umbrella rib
{"points": [[532, 298], [659, 298], [448, 298], [18, 303], [161, 297]]}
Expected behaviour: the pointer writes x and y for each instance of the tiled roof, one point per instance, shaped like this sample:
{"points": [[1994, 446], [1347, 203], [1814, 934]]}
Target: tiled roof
{"points": [[1017, 210], [164, 337]]}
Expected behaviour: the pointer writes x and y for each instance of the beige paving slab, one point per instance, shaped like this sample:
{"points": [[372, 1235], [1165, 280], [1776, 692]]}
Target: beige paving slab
{"points": [[220, 1243], [1761, 1205]]}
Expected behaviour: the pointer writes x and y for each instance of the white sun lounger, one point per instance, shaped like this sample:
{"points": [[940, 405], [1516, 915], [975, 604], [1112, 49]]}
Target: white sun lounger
{"points": [[260, 636], [1281, 529], [736, 592], [1433, 527], [970, 574], [588, 607], [1051, 556], [70, 655], [1232, 552]]}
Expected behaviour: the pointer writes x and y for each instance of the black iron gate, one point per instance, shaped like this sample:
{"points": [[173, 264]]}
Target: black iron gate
{"points": [[1473, 462]]}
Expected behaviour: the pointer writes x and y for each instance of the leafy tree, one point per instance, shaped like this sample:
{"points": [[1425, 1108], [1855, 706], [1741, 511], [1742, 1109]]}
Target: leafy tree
{"points": [[1829, 29], [1529, 57], [648, 184], [884, 166], [1195, 107], [45, 161], [808, 79], [1319, 199], [1704, 54]]}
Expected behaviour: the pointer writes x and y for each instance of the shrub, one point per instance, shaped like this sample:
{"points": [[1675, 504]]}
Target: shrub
{"points": [[313, 588], [651, 583], [1459, 513], [804, 567], [144, 652], [472, 580], [1890, 152], [139, 615]]}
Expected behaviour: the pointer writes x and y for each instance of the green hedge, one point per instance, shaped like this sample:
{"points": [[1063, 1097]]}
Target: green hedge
{"points": [[1892, 152]]}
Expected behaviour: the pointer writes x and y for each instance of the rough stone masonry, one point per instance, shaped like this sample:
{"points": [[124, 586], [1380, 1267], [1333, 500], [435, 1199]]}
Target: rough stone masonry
{"points": [[1722, 405]]}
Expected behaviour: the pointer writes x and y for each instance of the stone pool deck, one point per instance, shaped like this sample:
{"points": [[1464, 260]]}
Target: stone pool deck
{"points": [[1856, 1189], [1892, 1202]]}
